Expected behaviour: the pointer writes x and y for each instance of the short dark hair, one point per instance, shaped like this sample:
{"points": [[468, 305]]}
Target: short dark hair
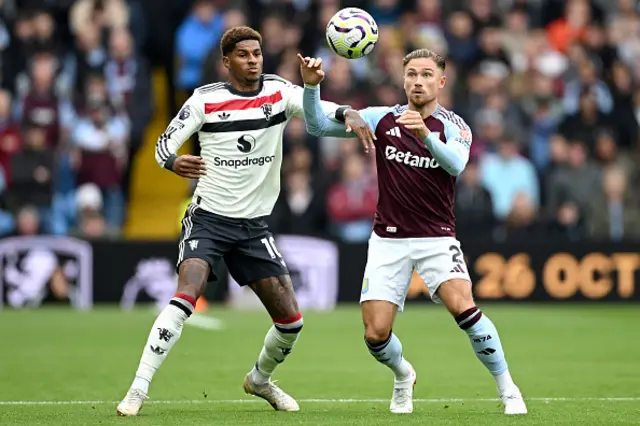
{"points": [[235, 35], [425, 53]]}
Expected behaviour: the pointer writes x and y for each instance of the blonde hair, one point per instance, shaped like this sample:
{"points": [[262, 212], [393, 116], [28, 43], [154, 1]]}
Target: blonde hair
{"points": [[425, 53]]}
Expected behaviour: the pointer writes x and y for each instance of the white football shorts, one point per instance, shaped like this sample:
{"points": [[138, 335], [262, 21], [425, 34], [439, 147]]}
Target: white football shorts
{"points": [[391, 261]]}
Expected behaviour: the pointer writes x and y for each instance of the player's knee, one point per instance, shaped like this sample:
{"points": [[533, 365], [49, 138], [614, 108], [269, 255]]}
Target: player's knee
{"points": [[192, 277], [456, 295], [376, 332]]}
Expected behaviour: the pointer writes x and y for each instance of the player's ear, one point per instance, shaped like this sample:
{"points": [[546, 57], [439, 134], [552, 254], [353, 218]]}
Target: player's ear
{"points": [[226, 62], [443, 81]]}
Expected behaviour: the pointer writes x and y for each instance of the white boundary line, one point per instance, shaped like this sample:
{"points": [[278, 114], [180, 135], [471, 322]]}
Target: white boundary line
{"points": [[329, 401]]}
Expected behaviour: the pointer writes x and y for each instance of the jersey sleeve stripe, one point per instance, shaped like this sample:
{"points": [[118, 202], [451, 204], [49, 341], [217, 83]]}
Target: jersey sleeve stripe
{"points": [[273, 77], [161, 148], [244, 125], [211, 88], [242, 104]]}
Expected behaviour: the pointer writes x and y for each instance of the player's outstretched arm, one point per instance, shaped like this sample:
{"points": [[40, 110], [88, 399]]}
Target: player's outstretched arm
{"points": [[453, 155], [324, 118], [186, 123]]}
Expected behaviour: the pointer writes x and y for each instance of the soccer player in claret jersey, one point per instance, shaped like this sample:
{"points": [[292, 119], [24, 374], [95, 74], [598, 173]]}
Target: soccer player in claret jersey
{"points": [[240, 126], [420, 149]]}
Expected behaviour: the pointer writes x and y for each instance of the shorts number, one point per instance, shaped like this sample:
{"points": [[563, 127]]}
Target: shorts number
{"points": [[457, 257], [270, 244]]}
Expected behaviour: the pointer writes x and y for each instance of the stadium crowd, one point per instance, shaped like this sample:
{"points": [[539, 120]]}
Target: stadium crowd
{"points": [[549, 88]]}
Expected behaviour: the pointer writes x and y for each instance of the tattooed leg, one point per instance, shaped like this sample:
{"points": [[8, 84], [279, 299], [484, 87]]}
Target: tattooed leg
{"points": [[165, 332], [277, 296]]}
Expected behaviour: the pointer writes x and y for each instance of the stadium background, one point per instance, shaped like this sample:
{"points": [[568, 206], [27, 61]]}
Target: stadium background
{"points": [[548, 208]]}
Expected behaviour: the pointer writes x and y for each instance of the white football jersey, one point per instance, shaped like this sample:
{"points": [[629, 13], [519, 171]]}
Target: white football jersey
{"points": [[240, 135]]}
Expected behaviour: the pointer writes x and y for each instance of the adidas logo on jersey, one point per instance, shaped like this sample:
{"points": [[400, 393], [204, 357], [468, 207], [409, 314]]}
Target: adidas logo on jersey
{"points": [[224, 115], [391, 153], [393, 132]]}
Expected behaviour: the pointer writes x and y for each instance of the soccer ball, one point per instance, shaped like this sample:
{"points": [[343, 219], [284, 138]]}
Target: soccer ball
{"points": [[352, 33]]}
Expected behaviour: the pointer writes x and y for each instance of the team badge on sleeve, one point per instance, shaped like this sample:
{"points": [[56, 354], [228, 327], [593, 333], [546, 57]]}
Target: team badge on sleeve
{"points": [[184, 113], [464, 137]]}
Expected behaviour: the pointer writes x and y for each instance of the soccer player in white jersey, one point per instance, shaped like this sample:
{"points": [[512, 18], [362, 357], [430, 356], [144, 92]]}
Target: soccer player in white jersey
{"points": [[240, 126], [420, 149]]}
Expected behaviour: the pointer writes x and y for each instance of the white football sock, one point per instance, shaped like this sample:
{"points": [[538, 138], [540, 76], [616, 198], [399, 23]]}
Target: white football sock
{"points": [[164, 334], [278, 344]]}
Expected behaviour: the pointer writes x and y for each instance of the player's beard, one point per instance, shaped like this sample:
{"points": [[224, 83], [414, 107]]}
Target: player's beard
{"points": [[421, 101]]}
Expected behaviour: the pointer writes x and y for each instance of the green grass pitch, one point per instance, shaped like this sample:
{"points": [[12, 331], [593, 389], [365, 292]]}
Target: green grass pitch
{"points": [[576, 365]]}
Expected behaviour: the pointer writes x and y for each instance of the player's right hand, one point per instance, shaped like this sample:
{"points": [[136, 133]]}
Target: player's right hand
{"points": [[355, 123], [189, 166]]}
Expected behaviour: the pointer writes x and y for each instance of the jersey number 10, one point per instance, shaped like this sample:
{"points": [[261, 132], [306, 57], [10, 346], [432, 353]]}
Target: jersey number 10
{"points": [[270, 245]]}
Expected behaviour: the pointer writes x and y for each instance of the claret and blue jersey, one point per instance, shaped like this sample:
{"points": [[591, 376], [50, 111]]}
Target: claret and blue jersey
{"points": [[416, 179]]}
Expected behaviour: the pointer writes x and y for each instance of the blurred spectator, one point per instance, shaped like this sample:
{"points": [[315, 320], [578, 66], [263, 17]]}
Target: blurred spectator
{"points": [[28, 222], [463, 46], [32, 171], [128, 81], [491, 55], [572, 26], [102, 14], [10, 140], [615, 213], [511, 113], [482, 14], [386, 11], [205, 24], [474, 208], [90, 221], [522, 177], [340, 86], [514, 36], [102, 138], [21, 47], [573, 184], [6, 218], [606, 153], [352, 201], [522, 222], [42, 106], [90, 57], [569, 222], [491, 129], [588, 82], [544, 124], [300, 210], [623, 119], [584, 125]]}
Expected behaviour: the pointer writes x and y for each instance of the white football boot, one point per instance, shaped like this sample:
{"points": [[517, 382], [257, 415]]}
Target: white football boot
{"points": [[271, 393], [513, 401], [132, 402], [402, 398]]}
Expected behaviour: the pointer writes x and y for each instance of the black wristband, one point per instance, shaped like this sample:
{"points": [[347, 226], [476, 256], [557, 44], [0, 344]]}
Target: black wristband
{"points": [[169, 163], [340, 113]]}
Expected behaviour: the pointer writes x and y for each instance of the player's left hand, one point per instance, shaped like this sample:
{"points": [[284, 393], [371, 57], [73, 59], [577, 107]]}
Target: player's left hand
{"points": [[355, 123], [413, 121], [311, 70]]}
